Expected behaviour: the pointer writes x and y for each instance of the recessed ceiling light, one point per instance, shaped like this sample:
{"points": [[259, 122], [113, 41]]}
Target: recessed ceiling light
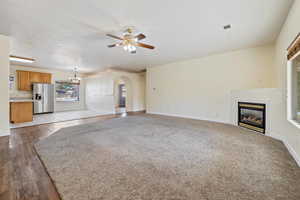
{"points": [[21, 59], [227, 27]]}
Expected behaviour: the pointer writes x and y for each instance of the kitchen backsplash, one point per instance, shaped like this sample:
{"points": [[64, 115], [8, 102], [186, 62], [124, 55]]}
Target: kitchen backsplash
{"points": [[20, 94]]}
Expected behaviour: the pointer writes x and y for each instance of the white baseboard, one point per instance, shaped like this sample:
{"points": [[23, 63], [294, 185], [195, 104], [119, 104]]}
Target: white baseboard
{"points": [[292, 152], [288, 146], [275, 136], [138, 110], [188, 117], [4, 134]]}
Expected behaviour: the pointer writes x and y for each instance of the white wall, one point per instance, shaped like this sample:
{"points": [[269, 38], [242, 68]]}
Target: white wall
{"points": [[100, 93], [200, 88], [56, 76], [288, 132], [4, 66]]}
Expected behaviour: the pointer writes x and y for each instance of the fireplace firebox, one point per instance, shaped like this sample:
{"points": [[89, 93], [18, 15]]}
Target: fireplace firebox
{"points": [[252, 116]]}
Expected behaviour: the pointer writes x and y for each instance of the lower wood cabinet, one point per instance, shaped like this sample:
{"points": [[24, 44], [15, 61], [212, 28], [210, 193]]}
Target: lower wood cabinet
{"points": [[21, 112]]}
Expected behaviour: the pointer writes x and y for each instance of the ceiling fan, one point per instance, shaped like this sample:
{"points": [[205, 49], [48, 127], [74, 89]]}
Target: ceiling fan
{"points": [[129, 42]]}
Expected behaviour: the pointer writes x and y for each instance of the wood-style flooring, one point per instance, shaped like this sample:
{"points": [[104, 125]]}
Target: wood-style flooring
{"points": [[22, 175]]}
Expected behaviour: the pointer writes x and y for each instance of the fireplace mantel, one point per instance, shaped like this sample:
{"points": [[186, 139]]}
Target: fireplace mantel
{"points": [[271, 97]]}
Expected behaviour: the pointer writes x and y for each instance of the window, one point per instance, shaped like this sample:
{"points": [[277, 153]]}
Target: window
{"points": [[67, 91], [298, 92], [294, 82]]}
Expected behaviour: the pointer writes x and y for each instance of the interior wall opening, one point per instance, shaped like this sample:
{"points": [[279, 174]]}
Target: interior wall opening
{"points": [[121, 106], [122, 95]]}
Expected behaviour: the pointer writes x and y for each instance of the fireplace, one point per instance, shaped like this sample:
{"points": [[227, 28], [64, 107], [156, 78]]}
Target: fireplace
{"points": [[252, 116]]}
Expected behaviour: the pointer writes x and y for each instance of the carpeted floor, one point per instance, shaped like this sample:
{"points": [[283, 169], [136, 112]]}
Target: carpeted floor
{"points": [[162, 158]]}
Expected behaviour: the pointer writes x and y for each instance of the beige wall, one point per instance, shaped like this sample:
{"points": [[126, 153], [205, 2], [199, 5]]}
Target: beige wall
{"points": [[56, 76], [288, 132], [200, 88], [101, 91], [4, 66]]}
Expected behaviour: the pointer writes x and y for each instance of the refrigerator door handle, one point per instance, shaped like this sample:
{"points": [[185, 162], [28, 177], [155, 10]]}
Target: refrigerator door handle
{"points": [[38, 97]]}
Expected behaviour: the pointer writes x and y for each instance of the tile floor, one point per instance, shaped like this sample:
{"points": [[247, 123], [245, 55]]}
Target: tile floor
{"points": [[59, 117], [120, 110]]}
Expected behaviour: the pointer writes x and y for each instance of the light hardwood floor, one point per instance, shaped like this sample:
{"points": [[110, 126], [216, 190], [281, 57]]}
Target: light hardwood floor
{"points": [[22, 175]]}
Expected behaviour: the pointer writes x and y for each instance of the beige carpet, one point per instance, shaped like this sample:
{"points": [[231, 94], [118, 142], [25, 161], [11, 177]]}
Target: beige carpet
{"points": [[161, 158]]}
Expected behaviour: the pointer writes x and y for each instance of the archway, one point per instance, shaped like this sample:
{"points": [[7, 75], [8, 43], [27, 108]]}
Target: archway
{"points": [[122, 94]]}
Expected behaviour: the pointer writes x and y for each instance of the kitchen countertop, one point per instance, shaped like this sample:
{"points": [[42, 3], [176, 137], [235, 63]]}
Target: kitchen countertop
{"points": [[15, 100]]}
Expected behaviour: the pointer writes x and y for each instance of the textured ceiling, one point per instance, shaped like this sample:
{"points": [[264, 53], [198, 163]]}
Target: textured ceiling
{"points": [[64, 33]]}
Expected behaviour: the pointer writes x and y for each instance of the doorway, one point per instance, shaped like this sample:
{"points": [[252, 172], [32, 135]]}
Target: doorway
{"points": [[122, 96]]}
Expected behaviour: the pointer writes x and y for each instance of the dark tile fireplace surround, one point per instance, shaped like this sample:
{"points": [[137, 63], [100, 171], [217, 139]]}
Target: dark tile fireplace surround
{"points": [[252, 116]]}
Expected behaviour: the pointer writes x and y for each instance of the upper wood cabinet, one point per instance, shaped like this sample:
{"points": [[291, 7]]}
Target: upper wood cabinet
{"points": [[26, 78], [45, 77], [35, 77]]}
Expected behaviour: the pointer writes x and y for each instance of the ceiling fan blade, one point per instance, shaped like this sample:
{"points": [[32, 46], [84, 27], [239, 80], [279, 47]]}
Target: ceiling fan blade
{"points": [[144, 45], [111, 45], [114, 45], [140, 36], [115, 37]]}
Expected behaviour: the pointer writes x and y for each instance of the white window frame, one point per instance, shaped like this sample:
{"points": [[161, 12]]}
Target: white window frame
{"points": [[291, 93]]}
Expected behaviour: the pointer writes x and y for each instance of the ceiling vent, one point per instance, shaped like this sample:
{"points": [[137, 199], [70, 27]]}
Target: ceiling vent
{"points": [[227, 27]]}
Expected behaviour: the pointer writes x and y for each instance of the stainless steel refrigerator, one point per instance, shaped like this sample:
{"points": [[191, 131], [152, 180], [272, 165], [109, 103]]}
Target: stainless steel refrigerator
{"points": [[43, 98]]}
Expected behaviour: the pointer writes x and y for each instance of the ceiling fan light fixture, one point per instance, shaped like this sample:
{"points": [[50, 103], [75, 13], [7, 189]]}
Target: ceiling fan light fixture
{"points": [[130, 42], [131, 48]]}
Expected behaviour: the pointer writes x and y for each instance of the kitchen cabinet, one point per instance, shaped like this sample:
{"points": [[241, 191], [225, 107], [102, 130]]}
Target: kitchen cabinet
{"points": [[26, 78], [45, 78], [35, 77], [21, 112]]}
